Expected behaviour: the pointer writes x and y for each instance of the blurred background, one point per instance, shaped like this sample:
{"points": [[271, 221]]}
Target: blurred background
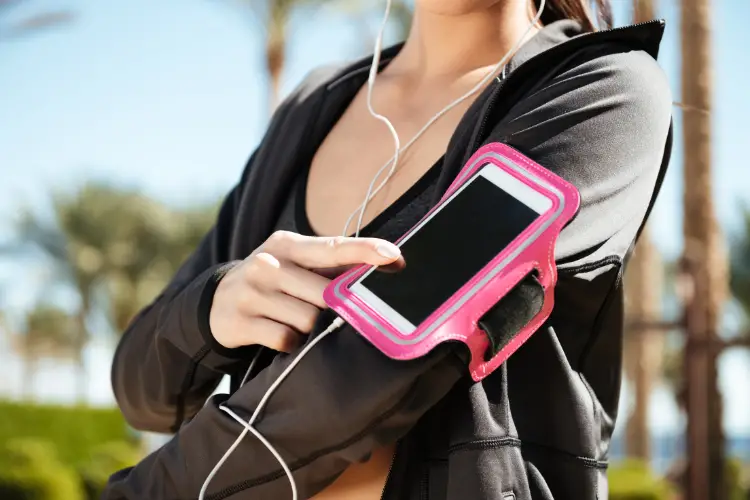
{"points": [[123, 123]]}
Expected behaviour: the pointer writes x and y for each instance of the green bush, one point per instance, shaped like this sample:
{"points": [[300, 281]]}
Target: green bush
{"points": [[105, 460], [74, 431], [734, 480], [30, 470], [633, 480]]}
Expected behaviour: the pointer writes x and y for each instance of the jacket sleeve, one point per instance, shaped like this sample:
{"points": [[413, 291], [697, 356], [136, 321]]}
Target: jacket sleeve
{"points": [[606, 120], [167, 363]]}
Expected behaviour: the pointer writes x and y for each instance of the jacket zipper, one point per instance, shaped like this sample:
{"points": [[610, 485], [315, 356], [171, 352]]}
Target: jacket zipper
{"points": [[390, 470], [496, 91], [424, 487]]}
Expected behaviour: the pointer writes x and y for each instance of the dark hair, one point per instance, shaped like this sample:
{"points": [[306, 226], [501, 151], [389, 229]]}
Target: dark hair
{"points": [[591, 14]]}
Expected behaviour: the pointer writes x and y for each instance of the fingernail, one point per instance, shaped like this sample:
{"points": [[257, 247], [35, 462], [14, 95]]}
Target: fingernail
{"points": [[388, 250]]}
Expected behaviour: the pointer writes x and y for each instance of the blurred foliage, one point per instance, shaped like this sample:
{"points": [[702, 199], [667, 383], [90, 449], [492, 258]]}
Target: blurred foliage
{"points": [[633, 480], [736, 487], [673, 373], [115, 248], [49, 330], [30, 470], [736, 477], [105, 460], [115, 242], [740, 264], [74, 431], [51, 453]]}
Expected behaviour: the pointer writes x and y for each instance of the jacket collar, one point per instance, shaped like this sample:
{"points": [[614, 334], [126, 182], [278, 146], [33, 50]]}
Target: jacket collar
{"points": [[646, 35]]}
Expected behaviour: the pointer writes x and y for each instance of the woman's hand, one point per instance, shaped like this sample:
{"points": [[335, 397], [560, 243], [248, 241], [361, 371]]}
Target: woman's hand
{"points": [[273, 296]]}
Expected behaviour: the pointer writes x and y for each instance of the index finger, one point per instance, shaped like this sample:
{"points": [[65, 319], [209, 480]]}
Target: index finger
{"points": [[315, 252]]}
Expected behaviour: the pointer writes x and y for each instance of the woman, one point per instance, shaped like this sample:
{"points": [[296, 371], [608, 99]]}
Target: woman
{"points": [[351, 423]]}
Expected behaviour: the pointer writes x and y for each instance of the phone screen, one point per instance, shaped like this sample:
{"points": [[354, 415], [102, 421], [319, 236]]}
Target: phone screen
{"points": [[449, 248]]}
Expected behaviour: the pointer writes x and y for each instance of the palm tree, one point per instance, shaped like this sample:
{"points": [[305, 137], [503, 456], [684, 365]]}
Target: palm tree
{"points": [[644, 10], [275, 16], [50, 333], [643, 291], [5, 334], [117, 244], [75, 262], [113, 247], [78, 242], [151, 244], [643, 346], [704, 260]]}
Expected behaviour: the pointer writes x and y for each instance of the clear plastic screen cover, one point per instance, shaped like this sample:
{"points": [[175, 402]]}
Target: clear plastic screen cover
{"points": [[497, 223], [452, 245]]}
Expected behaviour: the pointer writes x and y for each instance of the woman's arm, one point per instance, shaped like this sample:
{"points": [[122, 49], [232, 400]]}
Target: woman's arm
{"points": [[168, 362], [601, 125], [164, 369]]}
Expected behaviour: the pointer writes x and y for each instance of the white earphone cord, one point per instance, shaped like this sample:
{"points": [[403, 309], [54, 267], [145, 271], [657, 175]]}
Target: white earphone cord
{"points": [[336, 324]]}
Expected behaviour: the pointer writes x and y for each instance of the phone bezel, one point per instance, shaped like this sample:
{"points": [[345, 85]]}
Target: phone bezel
{"points": [[501, 179], [457, 319]]}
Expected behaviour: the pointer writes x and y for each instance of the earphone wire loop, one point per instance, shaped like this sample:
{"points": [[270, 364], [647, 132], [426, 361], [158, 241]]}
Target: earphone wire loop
{"points": [[394, 160]]}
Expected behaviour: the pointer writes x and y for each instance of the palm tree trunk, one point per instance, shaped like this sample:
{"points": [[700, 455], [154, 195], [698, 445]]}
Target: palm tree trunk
{"points": [[275, 59], [81, 374], [644, 10], [644, 347], [275, 90], [705, 259], [28, 375]]}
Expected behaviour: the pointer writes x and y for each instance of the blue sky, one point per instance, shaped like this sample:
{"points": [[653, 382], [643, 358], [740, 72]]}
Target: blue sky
{"points": [[169, 96]]}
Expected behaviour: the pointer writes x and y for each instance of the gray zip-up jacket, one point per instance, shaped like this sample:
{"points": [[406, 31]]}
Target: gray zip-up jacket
{"points": [[595, 109]]}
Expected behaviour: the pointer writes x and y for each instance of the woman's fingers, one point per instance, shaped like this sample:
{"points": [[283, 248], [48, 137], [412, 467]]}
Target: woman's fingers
{"points": [[269, 333], [273, 296], [329, 252], [303, 284], [288, 310]]}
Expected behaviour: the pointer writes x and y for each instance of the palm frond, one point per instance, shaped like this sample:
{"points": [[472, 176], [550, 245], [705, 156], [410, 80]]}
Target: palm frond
{"points": [[49, 239]]}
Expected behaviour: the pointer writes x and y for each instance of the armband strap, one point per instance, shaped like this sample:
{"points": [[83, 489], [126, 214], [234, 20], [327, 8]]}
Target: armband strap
{"points": [[511, 313]]}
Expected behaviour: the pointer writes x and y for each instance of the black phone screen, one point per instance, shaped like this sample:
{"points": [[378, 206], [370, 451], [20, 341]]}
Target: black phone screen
{"points": [[450, 248]]}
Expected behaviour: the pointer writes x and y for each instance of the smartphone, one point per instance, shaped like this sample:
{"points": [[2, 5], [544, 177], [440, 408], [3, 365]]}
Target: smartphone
{"points": [[451, 245]]}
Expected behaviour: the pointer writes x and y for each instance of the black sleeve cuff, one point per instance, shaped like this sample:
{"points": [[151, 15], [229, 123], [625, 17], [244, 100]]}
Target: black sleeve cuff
{"points": [[204, 313]]}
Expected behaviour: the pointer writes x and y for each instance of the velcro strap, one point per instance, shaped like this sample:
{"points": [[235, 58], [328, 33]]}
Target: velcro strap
{"points": [[514, 311]]}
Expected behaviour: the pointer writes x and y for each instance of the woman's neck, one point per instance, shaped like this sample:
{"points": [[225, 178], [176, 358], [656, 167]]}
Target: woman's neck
{"points": [[443, 46]]}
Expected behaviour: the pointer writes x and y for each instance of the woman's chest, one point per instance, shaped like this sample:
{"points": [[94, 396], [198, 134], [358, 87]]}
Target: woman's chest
{"points": [[356, 157]]}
